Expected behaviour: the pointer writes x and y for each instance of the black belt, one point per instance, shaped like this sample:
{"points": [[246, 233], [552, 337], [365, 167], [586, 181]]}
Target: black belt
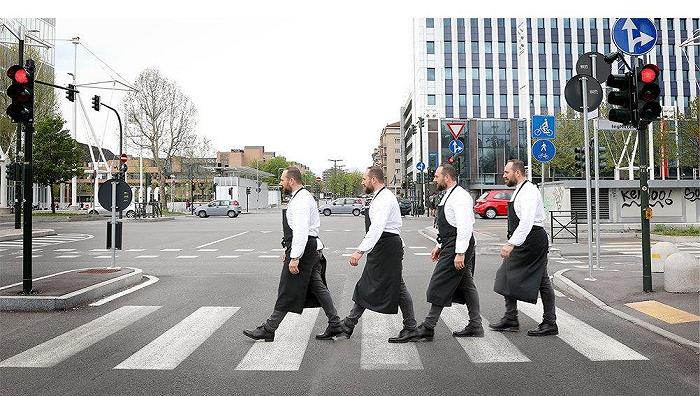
{"points": [[441, 238], [388, 235], [284, 241], [537, 228]]}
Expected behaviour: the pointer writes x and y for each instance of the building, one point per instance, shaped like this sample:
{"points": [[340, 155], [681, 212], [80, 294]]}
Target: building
{"points": [[492, 74], [388, 155], [243, 157]]}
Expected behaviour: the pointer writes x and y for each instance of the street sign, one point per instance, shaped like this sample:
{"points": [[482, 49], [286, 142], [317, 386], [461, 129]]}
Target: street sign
{"points": [[634, 36], [420, 166], [544, 150], [455, 129], [123, 158], [124, 194], [456, 146], [574, 89], [585, 63], [608, 125], [543, 127]]}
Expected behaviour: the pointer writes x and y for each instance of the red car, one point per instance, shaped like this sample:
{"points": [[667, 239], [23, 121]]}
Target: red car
{"points": [[493, 203]]}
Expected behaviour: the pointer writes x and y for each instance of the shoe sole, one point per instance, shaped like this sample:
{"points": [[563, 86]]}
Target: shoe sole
{"points": [[507, 329], [256, 339], [543, 334], [480, 335], [422, 339]]}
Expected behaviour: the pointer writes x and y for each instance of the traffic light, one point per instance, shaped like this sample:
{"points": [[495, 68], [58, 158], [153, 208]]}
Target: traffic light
{"points": [[21, 91], [247, 190], [96, 102], [431, 173], [451, 160], [70, 94], [580, 158], [648, 91], [14, 171], [623, 97]]}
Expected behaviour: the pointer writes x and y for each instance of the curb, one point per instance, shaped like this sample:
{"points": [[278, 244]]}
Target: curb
{"points": [[676, 239], [37, 233], [570, 287], [147, 220], [67, 301]]}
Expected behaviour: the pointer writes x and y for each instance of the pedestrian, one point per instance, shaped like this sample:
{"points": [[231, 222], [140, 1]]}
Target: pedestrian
{"points": [[524, 268], [302, 282], [453, 278], [381, 287]]}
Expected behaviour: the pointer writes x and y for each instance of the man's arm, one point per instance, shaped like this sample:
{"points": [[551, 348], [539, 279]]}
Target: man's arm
{"points": [[527, 204]]}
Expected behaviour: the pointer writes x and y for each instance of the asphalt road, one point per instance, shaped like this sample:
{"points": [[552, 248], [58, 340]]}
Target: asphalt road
{"points": [[217, 276]]}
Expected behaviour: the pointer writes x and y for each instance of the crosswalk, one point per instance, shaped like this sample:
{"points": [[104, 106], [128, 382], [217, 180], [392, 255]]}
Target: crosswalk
{"points": [[50, 240], [175, 345], [634, 249]]}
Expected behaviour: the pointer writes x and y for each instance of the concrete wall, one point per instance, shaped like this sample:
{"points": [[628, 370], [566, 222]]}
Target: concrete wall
{"points": [[669, 205]]}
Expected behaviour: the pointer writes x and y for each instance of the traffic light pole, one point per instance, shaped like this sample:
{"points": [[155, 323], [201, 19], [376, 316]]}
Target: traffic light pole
{"points": [[596, 171], [18, 178], [28, 196], [584, 89]]}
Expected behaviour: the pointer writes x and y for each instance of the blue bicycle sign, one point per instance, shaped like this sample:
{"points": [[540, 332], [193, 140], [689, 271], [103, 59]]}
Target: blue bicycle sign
{"points": [[543, 127]]}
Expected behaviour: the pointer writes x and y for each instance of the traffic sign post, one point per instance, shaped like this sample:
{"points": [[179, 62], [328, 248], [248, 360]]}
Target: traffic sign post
{"points": [[634, 36], [455, 129], [543, 127], [114, 194], [420, 166], [593, 64], [456, 147]]}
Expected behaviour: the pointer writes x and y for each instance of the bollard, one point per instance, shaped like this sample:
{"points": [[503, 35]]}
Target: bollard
{"points": [[659, 253], [682, 273]]}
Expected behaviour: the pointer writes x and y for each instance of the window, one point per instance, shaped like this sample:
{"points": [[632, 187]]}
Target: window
{"points": [[501, 47], [429, 22], [397, 140], [487, 47], [686, 76], [555, 48], [579, 23], [462, 73], [448, 47], [513, 48], [447, 22], [696, 23], [593, 23], [397, 151], [567, 48], [581, 49], [431, 100], [489, 100], [541, 48], [473, 21], [460, 22], [567, 23], [501, 22], [543, 100], [431, 74], [430, 47], [475, 73], [487, 22], [683, 27], [475, 47], [475, 99], [540, 23], [489, 74], [543, 74], [594, 47], [669, 24], [606, 23], [448, 73], [557, 100], [671, 50], [553, 23], [397, 160], [673, 75], [555, 74], [568, 74], [462, 100], [504, 100], [606, 47], [460, 47], [501, 74], [448, 100], [530, 76]]}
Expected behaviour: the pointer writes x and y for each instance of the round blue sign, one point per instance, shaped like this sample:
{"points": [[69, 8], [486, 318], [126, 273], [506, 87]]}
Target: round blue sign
{"points": [[420, 166], [544, 150], [634, 36]]}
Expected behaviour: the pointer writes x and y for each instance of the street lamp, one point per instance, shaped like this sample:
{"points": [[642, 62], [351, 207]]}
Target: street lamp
{"points": [[421, 122]]}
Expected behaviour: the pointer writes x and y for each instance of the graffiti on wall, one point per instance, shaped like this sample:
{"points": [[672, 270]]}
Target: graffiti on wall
{"points": [[691, 194], [662, 198]]}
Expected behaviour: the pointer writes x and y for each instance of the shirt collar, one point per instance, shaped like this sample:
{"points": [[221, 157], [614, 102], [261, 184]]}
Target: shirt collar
{"points": [[378, 190]]}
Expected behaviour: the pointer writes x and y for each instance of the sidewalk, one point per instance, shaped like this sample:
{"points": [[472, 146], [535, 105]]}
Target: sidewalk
{"points": [[14, 234]]}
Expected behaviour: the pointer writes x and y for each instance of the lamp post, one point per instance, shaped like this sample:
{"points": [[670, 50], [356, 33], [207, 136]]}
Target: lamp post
{"points": [[421, 122]]}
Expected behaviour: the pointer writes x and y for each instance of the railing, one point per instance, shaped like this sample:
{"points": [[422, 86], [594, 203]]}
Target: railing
{"points": [[142, 210], [566, 220]]}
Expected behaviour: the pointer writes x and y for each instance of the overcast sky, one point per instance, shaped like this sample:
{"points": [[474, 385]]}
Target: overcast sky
{"points": [[307, 80]]}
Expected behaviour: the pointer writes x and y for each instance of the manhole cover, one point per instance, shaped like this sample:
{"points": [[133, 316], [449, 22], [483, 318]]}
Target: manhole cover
{"points": [[100, 271]]}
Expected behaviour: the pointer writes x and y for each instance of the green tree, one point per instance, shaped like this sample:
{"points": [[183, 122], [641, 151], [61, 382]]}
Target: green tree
{"points": [[352, 183], [57, 157], [308, 178], [274, 165]]}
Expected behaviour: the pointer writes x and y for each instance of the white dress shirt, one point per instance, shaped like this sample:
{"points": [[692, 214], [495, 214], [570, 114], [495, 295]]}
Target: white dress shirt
{"points": [[529, 209], [385, 216], [303, 219], [459, 212]]}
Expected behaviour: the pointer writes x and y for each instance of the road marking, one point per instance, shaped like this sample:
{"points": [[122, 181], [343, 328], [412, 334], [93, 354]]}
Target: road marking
{"points": [[56, 350], [494, 347], [664, 312], [222, 239], [347, 230], [207, 250], [99, 250], [64, 250], [186, 257], [151, 280], [570, 261], [590, 342], [170, 250], [36, 255], [347, 255], [277, 250], [135, 250], [147, 256], [174, 346], [377, 353], [104, 257], [244, 250], [422, 253], [68, 256], [558, 293], [269, 256], [328, 230], [265, 232], [226, 257], [287, 351], [417, 247]]}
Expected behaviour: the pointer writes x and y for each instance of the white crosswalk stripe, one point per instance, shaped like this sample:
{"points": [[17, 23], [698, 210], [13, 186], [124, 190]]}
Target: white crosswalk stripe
{"points": [[287, 351], [70, 343], [174, 346], [590, 342], [48, 240], [377, 353]]}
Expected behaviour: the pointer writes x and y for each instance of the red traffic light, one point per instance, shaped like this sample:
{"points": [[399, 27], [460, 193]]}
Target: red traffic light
{"points": [[649, 73], [18, 74], [123, 158], [451, 160]]}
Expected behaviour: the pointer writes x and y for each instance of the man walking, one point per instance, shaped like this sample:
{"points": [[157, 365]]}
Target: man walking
{"points": [[381, 287], [453, 277], [302, 282], [524, 268]]}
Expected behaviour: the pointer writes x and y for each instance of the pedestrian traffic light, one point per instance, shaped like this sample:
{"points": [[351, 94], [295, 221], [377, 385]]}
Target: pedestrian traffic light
{"points": [[96, 102], [648, 91], [21, 91], [70, 94], [580, 158], [622, 97]]}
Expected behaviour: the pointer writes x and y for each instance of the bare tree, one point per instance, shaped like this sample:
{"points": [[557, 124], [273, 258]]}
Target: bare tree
{"points": [[161, 119]]}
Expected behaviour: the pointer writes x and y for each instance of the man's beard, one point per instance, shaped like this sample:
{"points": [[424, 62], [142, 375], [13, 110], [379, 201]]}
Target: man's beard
{"points": [[369, 189], [287, 190], [511, 182], [441, 187]]}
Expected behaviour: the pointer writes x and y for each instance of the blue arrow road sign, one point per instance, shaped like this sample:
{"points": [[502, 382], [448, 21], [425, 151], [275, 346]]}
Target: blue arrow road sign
{"points": [[420, 166], [543, 127], [634, 36], [544, 150], [456, 146]]}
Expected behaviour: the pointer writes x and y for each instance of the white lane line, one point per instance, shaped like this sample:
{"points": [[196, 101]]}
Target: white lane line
{"points": [[328, 230], [207, 250], [170, 250], [267, 256], [244, 250], [135, 250], [68, 256], [186, 257], [70, 343], [417, 247], [265, 232], [570, 261], [422, 253], [377, 353], [2, 250], [287, 351], [104, 257], [64, 250], [277, 250], [347, 230], [99, 250], [590, 342], [226, 257], [494, 347], [558, 293], [222, 239], [151, 280], [147, 256], [36, 255], [174, 346]]}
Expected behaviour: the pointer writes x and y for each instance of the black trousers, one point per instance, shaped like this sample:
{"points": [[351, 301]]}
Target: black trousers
{"points": [[547, 295]]}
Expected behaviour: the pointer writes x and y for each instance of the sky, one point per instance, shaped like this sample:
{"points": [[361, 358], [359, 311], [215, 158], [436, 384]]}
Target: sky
{"points": [[309, 80]]}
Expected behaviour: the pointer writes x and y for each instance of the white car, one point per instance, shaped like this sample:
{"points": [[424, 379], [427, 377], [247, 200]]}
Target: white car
{"points": [[129, 212]]}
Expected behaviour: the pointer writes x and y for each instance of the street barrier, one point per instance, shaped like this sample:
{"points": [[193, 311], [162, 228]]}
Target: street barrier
{"points": [[659, 253], [682, 273], [563, 220]]}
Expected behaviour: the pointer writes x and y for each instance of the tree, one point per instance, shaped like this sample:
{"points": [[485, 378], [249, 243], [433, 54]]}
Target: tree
{"points": [[274, 165], [57, 157], [160, 118]]}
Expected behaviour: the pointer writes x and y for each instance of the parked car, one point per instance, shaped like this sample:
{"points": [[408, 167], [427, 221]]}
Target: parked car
{"points": [[342, 206], [405, 205], [493, 203], [222, 207], [130, 210]]}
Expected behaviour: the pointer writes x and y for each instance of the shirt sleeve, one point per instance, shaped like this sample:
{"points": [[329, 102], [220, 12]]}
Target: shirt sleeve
{"points": [[300, 227], [527, 203], [464, 218], [378, 215]]}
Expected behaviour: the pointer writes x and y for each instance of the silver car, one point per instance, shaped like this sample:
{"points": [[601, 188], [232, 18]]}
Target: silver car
{"points": [[223, 207], [342, 206]]}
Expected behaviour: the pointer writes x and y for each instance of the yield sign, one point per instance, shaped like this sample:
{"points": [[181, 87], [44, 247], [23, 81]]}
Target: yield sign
{"points": [[455, 128]]}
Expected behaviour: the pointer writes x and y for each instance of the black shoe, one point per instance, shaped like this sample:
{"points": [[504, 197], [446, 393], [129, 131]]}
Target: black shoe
{"points": [[331, 331], [506, 325], [544, 329], [405, 335], [424, 334], [470, 331], [346, 329], [260, 333]]}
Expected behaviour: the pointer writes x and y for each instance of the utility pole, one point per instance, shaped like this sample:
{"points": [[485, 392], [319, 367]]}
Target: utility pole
{"points": [[335, 174], [74, 180], [421, 122]]}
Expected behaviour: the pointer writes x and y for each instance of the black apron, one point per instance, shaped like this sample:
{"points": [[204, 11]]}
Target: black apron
{"points": [[443, 289], [293, 293], [520, 274], [378, 287]]}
